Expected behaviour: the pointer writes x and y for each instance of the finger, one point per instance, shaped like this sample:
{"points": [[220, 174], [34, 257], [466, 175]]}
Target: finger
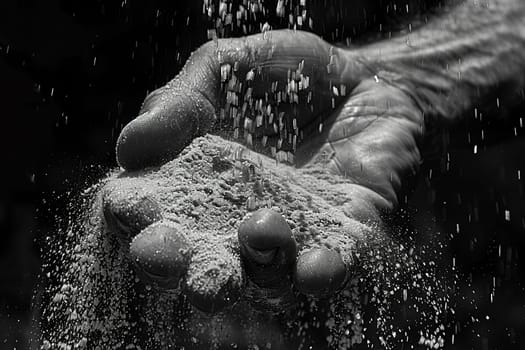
{"points": [[161, 255], [170, 119], [214, 279], [268, 247], [319, 272], [127, 209], [171, 116]]}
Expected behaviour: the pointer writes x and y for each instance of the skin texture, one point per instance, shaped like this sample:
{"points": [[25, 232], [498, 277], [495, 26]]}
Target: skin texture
{"points": [[395, 90]]}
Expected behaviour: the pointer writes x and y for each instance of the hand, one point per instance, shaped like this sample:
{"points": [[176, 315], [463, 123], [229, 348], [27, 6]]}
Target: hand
{"points": [[353, 124]]}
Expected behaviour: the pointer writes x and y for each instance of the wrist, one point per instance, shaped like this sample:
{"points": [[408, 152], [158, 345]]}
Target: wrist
{"points": [[353, 66], [372, 63]]}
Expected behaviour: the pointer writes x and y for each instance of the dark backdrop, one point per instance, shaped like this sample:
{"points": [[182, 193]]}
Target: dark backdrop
{"points": [[73, 73]]}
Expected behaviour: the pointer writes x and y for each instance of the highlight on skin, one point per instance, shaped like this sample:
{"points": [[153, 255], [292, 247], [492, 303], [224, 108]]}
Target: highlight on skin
{"points": [[351, 121]]}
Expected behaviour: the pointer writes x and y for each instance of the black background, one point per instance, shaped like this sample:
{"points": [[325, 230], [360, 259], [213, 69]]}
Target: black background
{"points": [[73, 73]]}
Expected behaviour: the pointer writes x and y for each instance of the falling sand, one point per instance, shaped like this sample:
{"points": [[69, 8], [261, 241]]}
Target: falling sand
{"points": [[98, 302]]}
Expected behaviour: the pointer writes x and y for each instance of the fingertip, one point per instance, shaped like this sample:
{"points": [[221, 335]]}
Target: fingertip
{"points": [[320, 272], [127, 209], [168, 125], [266, 230], [148, 140], [215, 279], [225, 296], [267, 246], [130, 143], [161, 254]]}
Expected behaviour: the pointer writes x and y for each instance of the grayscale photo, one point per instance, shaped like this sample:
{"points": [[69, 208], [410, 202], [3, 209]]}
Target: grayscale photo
{"points": [[262, 174]]}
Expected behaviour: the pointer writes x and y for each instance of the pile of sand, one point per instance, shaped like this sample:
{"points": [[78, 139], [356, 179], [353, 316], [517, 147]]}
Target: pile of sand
{"points": [[207, 190], [214, 184]]}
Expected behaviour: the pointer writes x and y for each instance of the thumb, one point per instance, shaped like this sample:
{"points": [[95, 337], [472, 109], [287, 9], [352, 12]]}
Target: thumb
{"points": [[173, 115], [170, 118], [185, 108]]}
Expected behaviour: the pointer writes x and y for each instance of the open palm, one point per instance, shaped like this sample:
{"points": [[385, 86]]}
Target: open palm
{"points": [[293, 96]]}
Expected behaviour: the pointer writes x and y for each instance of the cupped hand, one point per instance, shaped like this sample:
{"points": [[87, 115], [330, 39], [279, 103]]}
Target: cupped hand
{"points": [[296, 97]]}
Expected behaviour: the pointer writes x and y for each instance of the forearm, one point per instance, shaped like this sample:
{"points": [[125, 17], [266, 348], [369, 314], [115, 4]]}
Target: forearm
{"points": [[458, 60]]}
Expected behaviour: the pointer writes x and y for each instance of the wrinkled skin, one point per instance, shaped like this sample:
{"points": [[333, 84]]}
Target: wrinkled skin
{"points": [[369, 137], [370, 134]]}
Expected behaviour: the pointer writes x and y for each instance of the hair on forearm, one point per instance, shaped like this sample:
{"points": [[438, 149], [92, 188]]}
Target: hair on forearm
{"points": [[458, 60]]}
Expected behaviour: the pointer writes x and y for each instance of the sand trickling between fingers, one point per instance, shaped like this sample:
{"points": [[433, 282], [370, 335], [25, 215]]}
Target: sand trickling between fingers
{"points": [[98, 302]]}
